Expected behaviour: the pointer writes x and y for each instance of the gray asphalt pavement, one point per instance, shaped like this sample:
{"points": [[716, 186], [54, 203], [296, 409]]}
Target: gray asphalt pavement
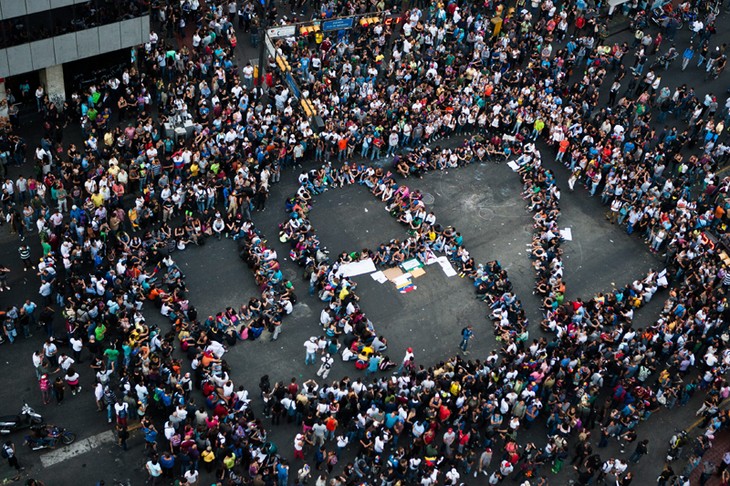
{"points": [[480, 201]]}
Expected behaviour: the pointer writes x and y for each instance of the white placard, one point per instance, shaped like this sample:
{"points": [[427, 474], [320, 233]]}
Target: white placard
{"points": [[354, 269], [285, 31]]}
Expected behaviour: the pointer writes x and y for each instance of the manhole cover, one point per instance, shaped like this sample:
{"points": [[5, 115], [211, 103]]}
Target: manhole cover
{"points": [[428, 198]]}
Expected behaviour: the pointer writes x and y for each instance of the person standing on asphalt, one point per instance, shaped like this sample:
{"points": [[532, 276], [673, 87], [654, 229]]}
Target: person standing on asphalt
{"points": [[45, 385], [24, 252], [8, 452], [122, 435], [154, 469], [4, 271], [407, 362], [311, 348], [687, 56], [59, 388], [324, 369], [466, 334], [665, 475], [642, 448]]}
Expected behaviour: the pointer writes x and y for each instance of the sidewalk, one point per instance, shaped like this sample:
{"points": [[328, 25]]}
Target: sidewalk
{"points": [[720, 445]]}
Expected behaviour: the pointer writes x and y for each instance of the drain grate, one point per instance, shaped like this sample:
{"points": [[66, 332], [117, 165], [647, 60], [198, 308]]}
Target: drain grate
{"points": [[428, 198]]}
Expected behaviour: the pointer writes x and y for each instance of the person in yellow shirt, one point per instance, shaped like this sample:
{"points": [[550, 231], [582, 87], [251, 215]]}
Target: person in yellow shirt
{"points": [[133, 218], [113, 168], [343, 293], [230, 460], [194, 169], [208, 457], [97, 199]]}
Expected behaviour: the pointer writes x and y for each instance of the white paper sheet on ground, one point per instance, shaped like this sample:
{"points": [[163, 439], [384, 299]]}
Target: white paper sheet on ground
{"points": [[410, 264], [513, 165], [445, 264], [567, 234], [379, 277], [448, 269], [356, 268], [403, 279], [431, 258]]}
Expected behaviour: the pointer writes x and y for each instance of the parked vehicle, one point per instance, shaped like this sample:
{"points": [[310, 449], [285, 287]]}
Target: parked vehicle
{"points": [[48, 437], [26, 418]]}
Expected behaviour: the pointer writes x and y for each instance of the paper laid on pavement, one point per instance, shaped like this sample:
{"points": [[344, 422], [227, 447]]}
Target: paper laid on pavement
{"points": [[513, 165], [418, 272], [379, 277], [566, 234], [431, 258], [448, 269], [445, 264], [392, 273], [402, 280], [354, 269], [409, 265]]}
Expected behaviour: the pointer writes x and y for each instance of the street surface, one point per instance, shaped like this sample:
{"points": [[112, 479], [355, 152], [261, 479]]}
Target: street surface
{"points": [[483, 203]]}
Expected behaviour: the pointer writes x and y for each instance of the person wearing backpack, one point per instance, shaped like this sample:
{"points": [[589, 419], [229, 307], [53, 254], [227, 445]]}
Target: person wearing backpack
{"points": [[8, 452], [121, 409]]}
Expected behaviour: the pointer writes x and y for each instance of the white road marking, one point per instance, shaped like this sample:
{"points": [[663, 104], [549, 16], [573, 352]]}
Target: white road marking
{"points": [[77, 448]]}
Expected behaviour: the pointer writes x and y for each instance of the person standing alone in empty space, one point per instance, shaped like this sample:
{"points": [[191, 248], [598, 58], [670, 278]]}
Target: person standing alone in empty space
{"points": [[466, 334]]}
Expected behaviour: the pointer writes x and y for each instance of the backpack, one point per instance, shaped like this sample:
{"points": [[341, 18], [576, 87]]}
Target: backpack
{"points": [[4, 452]]}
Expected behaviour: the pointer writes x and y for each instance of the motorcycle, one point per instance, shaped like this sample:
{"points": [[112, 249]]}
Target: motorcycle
{"points": [[640, 21], [48, 437], [662, 19], [26, 418]]}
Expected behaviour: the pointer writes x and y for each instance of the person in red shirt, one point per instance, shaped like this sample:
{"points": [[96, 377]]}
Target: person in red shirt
{"points": [[293, 388], [562, 148], [331, 424]]}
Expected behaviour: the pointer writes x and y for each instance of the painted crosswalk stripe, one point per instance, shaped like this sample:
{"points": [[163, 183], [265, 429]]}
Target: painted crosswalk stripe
{"points": [[77, 448]]}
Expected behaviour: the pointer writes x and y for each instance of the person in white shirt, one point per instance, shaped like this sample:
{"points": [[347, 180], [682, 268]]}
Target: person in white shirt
{"points": [[452, 477], [99, 396], [65, 362], [324, 369], [191, 476], [311, 347], [37, 362]]}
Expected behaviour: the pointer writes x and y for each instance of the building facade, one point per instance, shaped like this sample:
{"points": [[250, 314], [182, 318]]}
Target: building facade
{"points": [[37, 37]]}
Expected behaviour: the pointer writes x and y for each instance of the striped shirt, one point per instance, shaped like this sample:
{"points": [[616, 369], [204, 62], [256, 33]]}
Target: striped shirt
{"points": [[24, 252]]}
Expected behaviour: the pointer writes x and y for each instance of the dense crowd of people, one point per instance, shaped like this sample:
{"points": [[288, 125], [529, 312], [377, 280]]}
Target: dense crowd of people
{"points": [[110, 213]]}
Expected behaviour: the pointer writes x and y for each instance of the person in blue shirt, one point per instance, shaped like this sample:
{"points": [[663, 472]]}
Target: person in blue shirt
{"points": [[687, 56], [167, 461], [282, 473], [304, 67], [466, 334], [373, 365]]}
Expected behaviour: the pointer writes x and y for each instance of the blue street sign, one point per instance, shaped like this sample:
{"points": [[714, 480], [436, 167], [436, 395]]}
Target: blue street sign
{"points": [[338, 24], [293, 86]]}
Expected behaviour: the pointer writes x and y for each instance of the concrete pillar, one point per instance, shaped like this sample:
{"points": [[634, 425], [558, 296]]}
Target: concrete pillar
{"points": [[52, 81]]}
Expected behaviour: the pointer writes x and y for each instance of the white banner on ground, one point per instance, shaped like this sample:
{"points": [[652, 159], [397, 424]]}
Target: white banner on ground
{"points": [[356, 268]]}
